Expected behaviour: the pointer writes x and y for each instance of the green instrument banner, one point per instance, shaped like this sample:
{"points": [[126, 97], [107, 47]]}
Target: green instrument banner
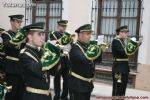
{"points": [[50, 57]]}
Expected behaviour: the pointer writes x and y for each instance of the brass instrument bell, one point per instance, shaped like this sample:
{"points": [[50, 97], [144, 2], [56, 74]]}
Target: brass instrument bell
{"points": [[118, 77]]}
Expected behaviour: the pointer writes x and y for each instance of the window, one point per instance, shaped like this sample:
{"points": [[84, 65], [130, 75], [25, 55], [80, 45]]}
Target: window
{"points": [[107, 15], [48, 11]]}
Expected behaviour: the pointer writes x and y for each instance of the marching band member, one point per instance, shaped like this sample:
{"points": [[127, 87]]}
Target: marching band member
{"points": [[121, 53], [57, 37], [11, 61], [82, 68], [2, 53], [36, 63]]}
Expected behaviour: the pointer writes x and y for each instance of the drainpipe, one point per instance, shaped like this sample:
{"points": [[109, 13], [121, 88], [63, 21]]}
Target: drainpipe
{"points": [[25, 11]]}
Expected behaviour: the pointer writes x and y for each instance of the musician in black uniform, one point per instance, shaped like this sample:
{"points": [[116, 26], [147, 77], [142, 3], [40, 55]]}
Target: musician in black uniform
{"points": [[11, 61], [82, 69], [54, 36], [121, 52], [2, 53], [36, 81]]}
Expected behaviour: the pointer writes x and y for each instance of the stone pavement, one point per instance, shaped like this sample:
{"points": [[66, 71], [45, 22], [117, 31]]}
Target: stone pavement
{"points": [[101, 89]]}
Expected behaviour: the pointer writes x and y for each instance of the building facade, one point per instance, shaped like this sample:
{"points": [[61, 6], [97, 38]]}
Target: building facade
{"points": [[104, 15]]}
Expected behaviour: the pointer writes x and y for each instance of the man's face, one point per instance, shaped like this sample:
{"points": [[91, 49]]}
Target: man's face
{"points": [[62, 28], [124, 34], [37, 39], [16, 24], [85, 37]]}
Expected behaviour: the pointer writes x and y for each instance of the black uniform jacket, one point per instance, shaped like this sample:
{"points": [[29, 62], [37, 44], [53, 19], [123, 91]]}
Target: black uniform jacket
{"points": [[32, 68], [11, 50], [2, 55], [64, 59], [118, 52], [80, 65], [55, 35]]}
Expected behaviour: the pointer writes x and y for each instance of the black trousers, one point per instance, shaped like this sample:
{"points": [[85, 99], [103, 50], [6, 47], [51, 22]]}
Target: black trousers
{"points": [[33, 96], [17, 84], [79, 95], [64, 71], [1, 64], [119, 89]]}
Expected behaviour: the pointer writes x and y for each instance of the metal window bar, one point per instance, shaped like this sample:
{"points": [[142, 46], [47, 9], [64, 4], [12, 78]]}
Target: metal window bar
{"points": [[49, 11], [28, 11], [107, 15]]}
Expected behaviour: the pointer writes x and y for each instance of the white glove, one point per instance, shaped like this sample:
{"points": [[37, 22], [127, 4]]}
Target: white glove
{"points": [[140, 41], [66, 49], [133, 39], [1, 40], [53, 42]]}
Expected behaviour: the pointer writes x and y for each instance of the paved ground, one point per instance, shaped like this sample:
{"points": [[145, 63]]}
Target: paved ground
{"points": [[101, 89], [106, 90]]}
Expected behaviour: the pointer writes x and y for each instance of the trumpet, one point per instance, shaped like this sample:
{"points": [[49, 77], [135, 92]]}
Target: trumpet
{"points": [[118, 77], [66, 39], [104, 46], [4, 89], [74, 37], [7, 88], [135, 40], [3, 84], [64, 43], [132, 45]]}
